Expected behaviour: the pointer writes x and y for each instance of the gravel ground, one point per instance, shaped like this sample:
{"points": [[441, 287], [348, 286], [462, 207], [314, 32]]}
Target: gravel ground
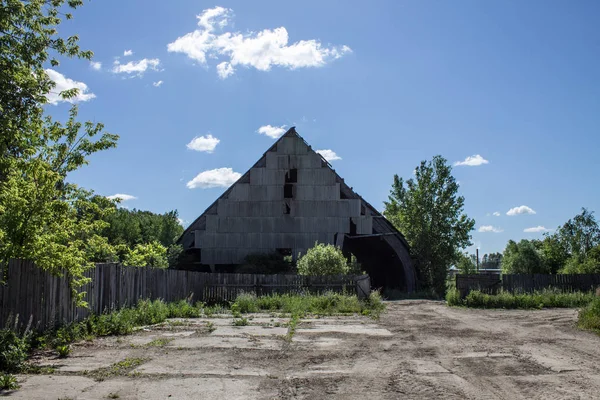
{"points": [[417, 350]]}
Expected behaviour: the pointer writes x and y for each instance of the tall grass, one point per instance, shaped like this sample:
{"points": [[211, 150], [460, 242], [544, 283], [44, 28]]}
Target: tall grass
{"points": [[324, 304], [589, 316], [507, 300]]}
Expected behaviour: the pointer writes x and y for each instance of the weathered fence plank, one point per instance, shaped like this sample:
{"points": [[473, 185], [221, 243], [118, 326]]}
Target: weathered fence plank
{"points": [[49, 302]]}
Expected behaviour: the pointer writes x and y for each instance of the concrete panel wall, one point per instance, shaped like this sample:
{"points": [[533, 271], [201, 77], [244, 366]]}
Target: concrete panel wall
{"points": [[308, 161], [325, 208], [316, 176], [292, 145], [277, 161], [264, 176], [311, 192]]}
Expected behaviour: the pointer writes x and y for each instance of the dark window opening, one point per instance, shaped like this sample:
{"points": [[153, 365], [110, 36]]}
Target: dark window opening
{"points": [[352, 227], [291, 176], [288, 191], [342, 195], [284, 252], [362, 209], [287, 209]]}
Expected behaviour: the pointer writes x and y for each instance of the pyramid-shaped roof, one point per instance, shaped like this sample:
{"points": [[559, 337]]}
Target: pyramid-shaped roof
{"points": [[291, 151]]}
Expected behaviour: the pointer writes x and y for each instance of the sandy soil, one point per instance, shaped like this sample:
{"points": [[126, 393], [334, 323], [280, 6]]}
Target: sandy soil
{"points": [[417, 350]]}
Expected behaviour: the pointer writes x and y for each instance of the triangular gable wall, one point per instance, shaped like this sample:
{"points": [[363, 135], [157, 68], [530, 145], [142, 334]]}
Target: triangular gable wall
{"points": [[270, 207]]}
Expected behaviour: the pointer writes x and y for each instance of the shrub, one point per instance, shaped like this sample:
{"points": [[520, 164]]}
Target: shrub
{"points": [[13, 351], [589, 316], [453, 297], [183, 309], [246, 303], [323, 259]]}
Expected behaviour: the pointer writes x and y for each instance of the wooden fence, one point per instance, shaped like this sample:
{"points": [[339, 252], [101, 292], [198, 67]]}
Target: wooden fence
{"points": [[525, 283], [47, 300]]}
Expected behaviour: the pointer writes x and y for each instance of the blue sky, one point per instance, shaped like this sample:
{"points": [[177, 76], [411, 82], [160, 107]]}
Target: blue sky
{"points": [[381, 84]]}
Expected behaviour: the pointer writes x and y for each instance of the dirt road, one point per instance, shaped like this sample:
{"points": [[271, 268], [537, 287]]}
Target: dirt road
{"points": [[417, 350]]}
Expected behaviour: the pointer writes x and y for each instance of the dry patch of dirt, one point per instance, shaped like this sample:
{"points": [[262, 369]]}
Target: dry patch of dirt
{"points": [[417, 350]]}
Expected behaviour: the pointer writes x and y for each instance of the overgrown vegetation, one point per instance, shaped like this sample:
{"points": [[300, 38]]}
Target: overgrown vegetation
{"points": [[589, 316], [539, 299], [326, 304], [323, 259]]}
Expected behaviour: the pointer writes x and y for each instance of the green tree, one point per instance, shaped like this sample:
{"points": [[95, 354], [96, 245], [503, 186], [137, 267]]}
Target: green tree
{"points": [[553, 252], [466, 263], [522, 258], [133, 227], [151, 254], [579, 236], [491, 261], [323, 259], [174, 255], [429, 212], [28, 38], [42, 216]]}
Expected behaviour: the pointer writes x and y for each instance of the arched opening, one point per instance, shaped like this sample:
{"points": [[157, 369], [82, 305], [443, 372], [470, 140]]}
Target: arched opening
{"points": [[379, 260]]}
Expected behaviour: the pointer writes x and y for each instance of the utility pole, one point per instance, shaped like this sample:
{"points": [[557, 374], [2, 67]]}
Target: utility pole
{"points": [[477, 256]]}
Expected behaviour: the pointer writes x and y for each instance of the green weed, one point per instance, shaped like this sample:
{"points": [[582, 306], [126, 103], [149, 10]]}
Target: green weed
{"points": [[120, 368], [63, 350], [210, 327], [158, 342], [240, 321], [8, 382], [14, 350]]}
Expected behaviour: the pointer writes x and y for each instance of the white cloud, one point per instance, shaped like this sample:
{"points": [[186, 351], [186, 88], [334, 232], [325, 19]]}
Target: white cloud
{"points": [[182, 222], [496, 214], [63, 83], [472, 161], [96, 65], [490, 228], [220, 177], [272, 131], [127, 53], [224, 70], [203, 143], [136, 67], [261, 50], [122, 197], [157, 84], [536, 229], [329, 155], [520, 210]]}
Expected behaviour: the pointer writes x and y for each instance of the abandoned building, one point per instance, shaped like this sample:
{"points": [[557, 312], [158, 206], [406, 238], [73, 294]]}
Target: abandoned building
{"points": [[290, 199]]}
